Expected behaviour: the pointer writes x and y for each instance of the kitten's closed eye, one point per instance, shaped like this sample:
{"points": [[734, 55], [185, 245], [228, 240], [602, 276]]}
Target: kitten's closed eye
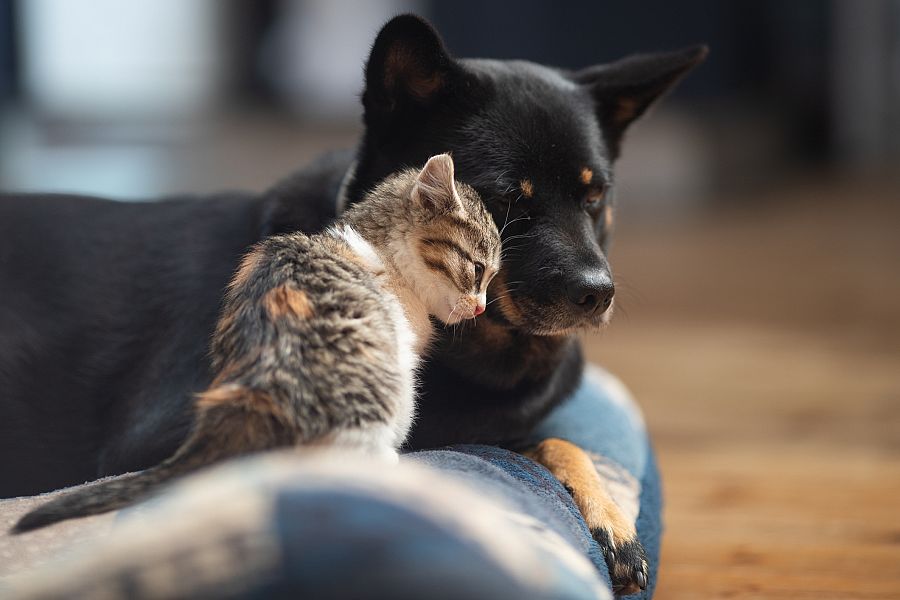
{"points": [[479, 274]]}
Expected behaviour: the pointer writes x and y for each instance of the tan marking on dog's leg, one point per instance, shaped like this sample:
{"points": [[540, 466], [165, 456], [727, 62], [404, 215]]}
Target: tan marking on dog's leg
{"points": [[575, 470]]}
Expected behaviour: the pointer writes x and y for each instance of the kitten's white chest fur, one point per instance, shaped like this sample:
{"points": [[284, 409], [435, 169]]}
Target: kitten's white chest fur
{"points": [[413, 334]]}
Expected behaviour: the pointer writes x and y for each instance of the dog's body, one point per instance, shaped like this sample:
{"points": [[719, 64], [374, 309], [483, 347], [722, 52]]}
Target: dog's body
{"points": [[107, 309]]}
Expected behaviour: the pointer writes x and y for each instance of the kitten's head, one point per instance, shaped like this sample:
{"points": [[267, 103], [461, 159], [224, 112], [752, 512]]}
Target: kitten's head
{"points": [[454, 243]]}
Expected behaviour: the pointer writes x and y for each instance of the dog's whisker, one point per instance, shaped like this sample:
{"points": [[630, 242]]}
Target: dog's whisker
{"points": [[501, 176], [520, 236], [497, 298], [506, 219], [524, 217]]}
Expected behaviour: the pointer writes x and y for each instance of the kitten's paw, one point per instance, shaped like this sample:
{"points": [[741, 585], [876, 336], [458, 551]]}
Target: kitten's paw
{"points": [[626, 561]]}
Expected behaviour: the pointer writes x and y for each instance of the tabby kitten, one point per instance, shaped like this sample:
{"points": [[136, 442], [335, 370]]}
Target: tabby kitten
{"points": [[320, 335]]}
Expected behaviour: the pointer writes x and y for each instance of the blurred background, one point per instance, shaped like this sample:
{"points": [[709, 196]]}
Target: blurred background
{"points": [[758, 244]]}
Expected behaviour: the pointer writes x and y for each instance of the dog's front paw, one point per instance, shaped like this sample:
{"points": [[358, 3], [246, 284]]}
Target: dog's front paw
{"points": [[613, 531], [626, 561]]}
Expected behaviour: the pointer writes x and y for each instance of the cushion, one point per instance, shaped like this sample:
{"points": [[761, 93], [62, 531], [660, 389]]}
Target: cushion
{"points": [[465, 521]]}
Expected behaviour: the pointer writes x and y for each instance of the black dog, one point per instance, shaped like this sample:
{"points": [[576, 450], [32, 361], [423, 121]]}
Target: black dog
{"points": [[107, 308]]}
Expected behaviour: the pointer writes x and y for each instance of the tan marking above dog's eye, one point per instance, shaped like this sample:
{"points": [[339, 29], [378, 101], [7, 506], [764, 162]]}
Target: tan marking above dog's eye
{"points": [[527, 188], [586, 176]]}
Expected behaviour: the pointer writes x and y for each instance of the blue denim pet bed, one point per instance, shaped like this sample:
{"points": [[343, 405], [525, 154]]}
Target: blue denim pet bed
{"points": [[460, 522]]}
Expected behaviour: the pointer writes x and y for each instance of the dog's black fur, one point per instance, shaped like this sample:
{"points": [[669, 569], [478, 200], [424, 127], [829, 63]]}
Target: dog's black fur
{"points": [[107, 308]]}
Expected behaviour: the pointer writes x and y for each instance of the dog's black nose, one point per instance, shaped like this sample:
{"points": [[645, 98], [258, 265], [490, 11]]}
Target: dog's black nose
{"points": [[591, 291]]}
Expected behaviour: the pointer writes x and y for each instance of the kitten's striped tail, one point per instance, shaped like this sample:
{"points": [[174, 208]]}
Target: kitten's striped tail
{"points": [[223, 430], [98, 498]]}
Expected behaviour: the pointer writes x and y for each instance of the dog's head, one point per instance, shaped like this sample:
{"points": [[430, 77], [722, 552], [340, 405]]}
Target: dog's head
{"points": [[537, 143]]}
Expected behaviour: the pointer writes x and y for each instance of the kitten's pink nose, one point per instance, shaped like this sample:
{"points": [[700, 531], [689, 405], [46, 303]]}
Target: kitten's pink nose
{"points": [[478, 310]]}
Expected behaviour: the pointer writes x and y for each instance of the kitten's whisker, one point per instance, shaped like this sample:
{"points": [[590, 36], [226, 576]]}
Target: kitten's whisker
{"points": [[506, 252], [450, 318]]}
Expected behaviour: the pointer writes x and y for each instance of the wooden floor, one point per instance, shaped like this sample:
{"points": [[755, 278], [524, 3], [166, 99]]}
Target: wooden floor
{"points": [[764, 347]]}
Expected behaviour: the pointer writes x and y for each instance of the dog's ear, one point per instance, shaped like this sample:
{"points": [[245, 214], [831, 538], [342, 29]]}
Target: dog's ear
{"points": [[623, 90], [407, 68]]}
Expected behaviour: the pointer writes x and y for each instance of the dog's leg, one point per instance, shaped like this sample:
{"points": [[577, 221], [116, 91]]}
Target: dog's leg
{"points": [[616, 535]]}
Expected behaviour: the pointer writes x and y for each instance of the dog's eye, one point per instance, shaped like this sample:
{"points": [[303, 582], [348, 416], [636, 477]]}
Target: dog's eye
{"points": [[595, 199]]}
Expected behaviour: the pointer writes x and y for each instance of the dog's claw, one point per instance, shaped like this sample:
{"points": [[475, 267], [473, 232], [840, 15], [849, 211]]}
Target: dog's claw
{"points": [[627, 563], [641, 579]]}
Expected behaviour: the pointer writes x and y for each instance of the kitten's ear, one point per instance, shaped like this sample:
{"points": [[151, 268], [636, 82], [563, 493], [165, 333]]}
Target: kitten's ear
{"points": [[624, 89], [435, 189], [408, 68]]}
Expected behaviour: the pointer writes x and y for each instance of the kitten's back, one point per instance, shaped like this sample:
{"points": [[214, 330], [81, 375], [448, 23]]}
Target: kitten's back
{"points": [[306, 318]]}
